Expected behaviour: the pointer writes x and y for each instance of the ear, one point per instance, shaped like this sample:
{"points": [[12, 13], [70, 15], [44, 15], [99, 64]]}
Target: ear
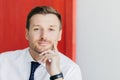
{"points": [[27, 34], [60, 35]]}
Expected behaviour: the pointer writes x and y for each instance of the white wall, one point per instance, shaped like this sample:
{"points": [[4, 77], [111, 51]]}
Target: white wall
{"points": [[98, 39]]}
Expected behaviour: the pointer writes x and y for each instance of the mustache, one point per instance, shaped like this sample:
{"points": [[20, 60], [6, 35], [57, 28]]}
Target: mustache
{"points": [[44, 40]]}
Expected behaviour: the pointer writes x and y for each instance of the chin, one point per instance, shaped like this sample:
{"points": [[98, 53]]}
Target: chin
{"points": [[40, 50]]}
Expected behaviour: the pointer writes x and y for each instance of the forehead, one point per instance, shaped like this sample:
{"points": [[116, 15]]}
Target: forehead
{"points": [[44, 19]]}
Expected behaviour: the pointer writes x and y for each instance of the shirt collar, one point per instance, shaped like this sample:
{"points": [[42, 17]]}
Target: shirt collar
{"points": [[29, 58]]}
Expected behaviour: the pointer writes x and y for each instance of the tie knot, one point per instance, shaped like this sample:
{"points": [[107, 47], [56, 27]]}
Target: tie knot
{"points": [[34, 65]]}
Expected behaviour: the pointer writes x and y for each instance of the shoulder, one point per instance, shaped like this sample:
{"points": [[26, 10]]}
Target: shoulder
{"points": [[67, 63], [12, 54], [70, 69]]}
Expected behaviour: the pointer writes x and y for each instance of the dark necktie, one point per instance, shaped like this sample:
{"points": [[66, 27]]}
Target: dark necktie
{"points": [[34, 66]]}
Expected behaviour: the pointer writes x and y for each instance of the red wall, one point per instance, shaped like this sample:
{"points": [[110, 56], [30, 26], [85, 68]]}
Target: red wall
{"points": [[13, 17]]}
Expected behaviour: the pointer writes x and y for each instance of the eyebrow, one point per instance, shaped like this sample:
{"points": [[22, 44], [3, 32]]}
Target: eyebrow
{"points": [[39, 25], [53, 25], [35, 25]]}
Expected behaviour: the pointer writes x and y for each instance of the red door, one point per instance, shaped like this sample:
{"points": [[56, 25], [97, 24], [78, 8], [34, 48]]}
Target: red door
{"points": [[13, 17]]}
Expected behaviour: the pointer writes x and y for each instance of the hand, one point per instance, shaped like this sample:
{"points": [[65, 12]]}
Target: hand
{"points": [[52, 60]]}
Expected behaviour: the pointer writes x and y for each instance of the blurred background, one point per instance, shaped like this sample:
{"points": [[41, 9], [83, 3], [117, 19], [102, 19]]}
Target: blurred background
{"points": [[13, 22], [91, 32], [98, 39]]}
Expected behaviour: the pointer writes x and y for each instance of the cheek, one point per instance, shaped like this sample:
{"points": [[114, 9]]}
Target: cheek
{"points": [[33, 37], [55, 38]]}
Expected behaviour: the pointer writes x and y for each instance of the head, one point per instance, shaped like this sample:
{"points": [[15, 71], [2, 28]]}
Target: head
{"points": [[43, 28]]}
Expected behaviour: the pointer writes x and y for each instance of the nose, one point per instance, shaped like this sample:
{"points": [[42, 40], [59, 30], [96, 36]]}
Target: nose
{"points": [[43, 34]]}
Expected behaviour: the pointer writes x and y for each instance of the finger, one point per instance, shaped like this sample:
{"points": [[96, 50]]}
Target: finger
{"points": [[42, 56], [47, 57], [41, 59], [55, 46], [44, 53]]}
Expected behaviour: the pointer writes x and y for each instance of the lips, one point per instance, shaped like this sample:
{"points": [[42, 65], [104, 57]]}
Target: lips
{"points": [[43, 43]]}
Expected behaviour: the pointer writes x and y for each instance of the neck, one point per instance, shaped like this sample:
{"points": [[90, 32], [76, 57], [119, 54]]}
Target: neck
{"points": [[34, 55]]}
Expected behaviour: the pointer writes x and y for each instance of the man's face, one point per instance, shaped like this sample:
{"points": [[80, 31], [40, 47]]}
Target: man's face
{"points": [[43, 32]]}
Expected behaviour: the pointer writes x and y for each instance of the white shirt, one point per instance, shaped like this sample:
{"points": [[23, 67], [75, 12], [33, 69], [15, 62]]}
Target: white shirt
{"points": [[15, 65]]}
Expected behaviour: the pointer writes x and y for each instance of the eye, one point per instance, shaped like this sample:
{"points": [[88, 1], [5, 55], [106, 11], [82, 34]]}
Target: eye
{"points": [[35, 29], [51, 29]]}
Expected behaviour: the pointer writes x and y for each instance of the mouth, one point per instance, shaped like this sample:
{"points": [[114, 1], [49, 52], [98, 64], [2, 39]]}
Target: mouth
{"points": [[43, 43]]}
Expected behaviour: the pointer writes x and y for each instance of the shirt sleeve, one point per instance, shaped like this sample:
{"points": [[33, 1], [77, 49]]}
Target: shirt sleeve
{"points": [[74, 74]]}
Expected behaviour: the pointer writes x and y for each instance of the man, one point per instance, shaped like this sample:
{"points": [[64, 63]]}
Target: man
{"points": [[42, 60]]}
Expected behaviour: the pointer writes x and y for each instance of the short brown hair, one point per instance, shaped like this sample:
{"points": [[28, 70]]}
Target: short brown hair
{"points": [[42, 10]]}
